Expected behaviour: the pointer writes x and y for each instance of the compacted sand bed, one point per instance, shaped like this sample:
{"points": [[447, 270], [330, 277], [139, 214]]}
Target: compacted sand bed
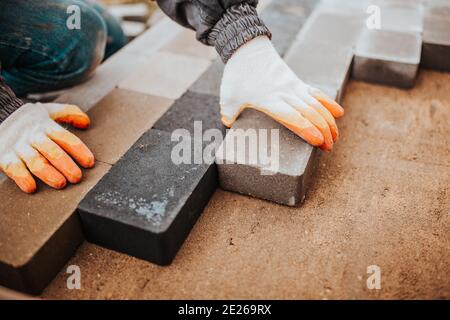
{"points": [[382, 197]]}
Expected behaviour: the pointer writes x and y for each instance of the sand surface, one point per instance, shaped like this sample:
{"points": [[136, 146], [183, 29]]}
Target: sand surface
{"points": [[382, 197]]}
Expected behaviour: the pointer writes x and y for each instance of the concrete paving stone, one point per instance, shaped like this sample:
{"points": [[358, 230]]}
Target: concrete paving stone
{"points": [[356, 7], [387, 57], [437, 8], [436, 43], [288, 180], [166, 75], [189, 108], [294, 7], [402, 16], [329, 91], [146, 205], [154, 38], [262, 5], [7, 294], [283, 26], [209, 82], [186, 43], [39, 233], [320, 64], [118, 120], [337, 30], [104, 79]]}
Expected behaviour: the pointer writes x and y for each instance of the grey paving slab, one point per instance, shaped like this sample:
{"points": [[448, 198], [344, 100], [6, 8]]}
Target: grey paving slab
{"points": [[147, 204], [188, 109], [242, 166], [105, 78], [283, 25], [209, 82], [339, 31], [294, 7], [320, 64], [398, 15], [387, 57], [436, 43], [437, 8], [345, 7]]}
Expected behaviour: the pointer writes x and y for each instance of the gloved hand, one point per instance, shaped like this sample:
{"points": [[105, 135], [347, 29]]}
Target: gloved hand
{"points": [[256, 77], [31, 142]]}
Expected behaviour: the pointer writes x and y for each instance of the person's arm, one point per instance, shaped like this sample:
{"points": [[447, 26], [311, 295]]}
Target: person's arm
{"points": [[224, 24]]}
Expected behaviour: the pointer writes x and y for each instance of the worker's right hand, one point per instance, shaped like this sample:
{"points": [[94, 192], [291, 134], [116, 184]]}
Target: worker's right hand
{"points": [[32, 142], [257, 77]]}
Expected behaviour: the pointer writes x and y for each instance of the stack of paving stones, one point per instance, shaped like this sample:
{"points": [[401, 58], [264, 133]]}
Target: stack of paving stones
{"points": [[412, 33], [136, 199], [390, 55]]}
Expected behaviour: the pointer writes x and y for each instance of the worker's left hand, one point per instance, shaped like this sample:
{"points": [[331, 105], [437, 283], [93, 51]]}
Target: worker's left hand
{"points": [[32, 142], [256, 77]]}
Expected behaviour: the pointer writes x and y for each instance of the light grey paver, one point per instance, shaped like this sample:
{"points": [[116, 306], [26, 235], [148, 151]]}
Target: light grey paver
{"points": [[387, 57], [285, 180]]}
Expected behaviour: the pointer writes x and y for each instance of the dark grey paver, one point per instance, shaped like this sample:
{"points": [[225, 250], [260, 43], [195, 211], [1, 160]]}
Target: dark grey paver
{"points": [[209, 82], [387, 57], [191, 107], [146, 205]]}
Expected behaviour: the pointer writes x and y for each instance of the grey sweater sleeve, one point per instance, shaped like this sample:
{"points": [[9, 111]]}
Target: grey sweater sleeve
{"points": [[225, 24], [8, 101]]}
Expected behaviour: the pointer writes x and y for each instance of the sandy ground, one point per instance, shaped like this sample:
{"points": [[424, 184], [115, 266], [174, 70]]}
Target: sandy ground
{"points": [[382, 197]]}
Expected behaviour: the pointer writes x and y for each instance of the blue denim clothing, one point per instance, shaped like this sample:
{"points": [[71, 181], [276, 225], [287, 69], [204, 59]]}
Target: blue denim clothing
{"points": [[39, 53]]}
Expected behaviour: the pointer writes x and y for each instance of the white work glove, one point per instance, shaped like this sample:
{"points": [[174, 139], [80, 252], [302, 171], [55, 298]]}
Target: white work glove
{"points": [[31, 142], [257, 77]]}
